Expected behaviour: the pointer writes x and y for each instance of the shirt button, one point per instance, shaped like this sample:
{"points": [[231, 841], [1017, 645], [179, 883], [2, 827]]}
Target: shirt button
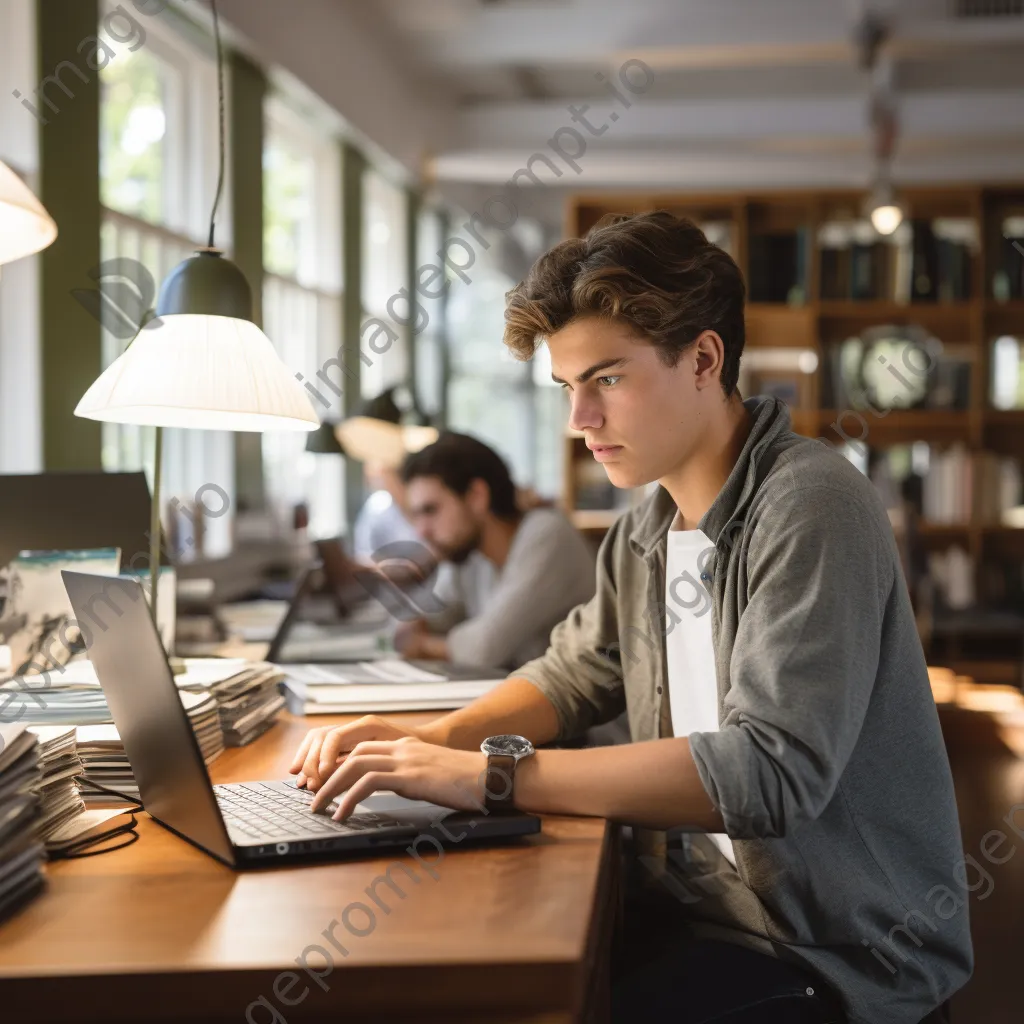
{"points": [[659, 689]]}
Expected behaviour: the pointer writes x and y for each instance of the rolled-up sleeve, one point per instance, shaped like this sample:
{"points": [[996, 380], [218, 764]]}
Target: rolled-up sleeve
{"points": [[803, 665], [580, 673]]}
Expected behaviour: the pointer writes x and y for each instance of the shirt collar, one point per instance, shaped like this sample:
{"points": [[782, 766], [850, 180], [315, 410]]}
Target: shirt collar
{"points": [[770, 419]]}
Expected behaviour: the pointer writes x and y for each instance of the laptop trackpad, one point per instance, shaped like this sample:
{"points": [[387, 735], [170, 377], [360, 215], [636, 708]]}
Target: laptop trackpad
{"points": [[416, 811]]}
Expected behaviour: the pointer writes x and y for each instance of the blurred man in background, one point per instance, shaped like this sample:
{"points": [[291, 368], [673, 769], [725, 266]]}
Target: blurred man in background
{"points": [[508, 576]]}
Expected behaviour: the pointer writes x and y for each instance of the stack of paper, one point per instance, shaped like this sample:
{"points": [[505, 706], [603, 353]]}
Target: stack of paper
{"points": [[247, 694], [67, 695], [204, 715], [253, 620], [104, 760], [371, 686], [21, 851], [60, 765]]}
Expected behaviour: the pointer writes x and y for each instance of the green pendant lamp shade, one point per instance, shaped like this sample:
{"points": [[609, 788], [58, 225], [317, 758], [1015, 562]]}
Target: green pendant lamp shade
{"points": [[206, 284]]}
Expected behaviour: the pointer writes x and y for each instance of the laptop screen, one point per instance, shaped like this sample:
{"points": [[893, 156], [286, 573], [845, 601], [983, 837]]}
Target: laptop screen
{"points": [[139, 686]]}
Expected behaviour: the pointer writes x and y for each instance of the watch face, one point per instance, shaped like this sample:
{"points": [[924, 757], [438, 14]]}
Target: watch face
{"points": [[515, 746]]}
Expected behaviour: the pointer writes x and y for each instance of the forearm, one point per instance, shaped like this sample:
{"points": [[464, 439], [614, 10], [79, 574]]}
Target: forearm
{"points": [[653, 784], [513, 706]]}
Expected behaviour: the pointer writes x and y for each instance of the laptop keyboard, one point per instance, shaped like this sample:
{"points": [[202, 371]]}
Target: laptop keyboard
{"points": [[258, 811]]}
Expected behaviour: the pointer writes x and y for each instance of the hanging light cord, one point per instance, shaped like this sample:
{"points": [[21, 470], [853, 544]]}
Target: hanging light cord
{"points": [[220, 114]]}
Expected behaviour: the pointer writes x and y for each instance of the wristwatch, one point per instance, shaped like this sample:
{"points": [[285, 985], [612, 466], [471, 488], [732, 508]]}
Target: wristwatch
{"points": [[503, 754]]}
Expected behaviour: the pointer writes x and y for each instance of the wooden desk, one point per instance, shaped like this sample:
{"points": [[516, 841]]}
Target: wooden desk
{"points": [[160, 931]]}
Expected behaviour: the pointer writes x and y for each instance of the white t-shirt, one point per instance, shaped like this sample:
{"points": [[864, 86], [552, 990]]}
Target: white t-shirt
{"points": [[692, 680]]}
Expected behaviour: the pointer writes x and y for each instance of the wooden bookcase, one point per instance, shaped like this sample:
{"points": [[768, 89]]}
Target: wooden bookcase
{"points": [[811, 322]]}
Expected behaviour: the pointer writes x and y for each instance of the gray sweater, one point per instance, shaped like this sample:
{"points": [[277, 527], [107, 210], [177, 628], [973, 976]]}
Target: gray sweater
{"points": [[503, 617], [829, 767]]}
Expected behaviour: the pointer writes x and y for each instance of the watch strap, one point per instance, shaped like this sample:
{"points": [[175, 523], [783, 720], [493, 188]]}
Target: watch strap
{"points": [[499, 783]]}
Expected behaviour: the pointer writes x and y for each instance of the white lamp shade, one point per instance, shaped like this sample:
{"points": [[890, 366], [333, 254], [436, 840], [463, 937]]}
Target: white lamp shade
{"points": [[25, 226], [200, 371]]}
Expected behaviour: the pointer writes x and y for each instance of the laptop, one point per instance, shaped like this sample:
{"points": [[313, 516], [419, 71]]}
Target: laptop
{"points": [[246, 823], [111, 510]]}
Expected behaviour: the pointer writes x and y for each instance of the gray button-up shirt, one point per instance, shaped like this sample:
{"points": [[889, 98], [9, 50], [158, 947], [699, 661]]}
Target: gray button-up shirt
{"points": [[829, 767]]}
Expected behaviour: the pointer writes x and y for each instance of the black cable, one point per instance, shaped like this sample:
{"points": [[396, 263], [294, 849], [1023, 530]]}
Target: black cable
{"points": [[84, 847], [220, 112]]}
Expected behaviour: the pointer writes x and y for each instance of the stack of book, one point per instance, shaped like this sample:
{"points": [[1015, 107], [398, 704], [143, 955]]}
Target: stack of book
{"points": [[922, 261], [247, 694], [962, 486], [384, 686], [21, 851], [60, 766], [1009, 279], [778, 266]]}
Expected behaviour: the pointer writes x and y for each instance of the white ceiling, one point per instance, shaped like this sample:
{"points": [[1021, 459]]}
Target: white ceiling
{"points": [[744, 92]]}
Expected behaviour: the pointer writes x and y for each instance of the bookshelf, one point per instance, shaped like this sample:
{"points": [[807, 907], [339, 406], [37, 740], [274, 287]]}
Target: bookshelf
{"points": [[817, 278]]}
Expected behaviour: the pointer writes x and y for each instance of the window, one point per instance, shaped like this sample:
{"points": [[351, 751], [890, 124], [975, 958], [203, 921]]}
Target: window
{"points": [[430, 342], [20, 390], [137, 89], [158, 171], [302, 301], [385, 244], [490, 393]]}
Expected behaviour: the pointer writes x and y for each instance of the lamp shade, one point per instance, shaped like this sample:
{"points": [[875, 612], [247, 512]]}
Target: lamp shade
{"points": [[25, 226], [323, 440], [206, 283], [200, 371]]}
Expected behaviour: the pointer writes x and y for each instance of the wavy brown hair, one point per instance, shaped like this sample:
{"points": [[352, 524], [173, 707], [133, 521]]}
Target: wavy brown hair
{"points": [[655, 272]]}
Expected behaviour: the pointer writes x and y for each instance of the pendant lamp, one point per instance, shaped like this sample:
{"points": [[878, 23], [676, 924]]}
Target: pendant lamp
{"points": [[201, 362], [25, 226]]}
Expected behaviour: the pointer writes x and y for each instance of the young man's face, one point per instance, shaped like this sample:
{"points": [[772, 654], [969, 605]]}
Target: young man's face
{"points": [[641, 418], [450, 525]]}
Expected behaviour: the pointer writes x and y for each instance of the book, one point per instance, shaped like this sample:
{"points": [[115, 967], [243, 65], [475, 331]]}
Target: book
{"points": [[383, 686]]}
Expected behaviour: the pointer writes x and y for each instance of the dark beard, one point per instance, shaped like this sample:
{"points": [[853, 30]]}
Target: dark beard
{"points": [[459, 555]]}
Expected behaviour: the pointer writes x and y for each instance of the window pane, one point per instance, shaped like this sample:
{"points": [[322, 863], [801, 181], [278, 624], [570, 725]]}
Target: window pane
{"points": [[133, 126], [384, 242], [288, 189]]}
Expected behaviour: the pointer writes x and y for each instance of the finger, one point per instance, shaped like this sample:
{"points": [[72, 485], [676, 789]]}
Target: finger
{"points": [[311, 765], [369, 784], [389, 747], [348, 775], [300, 754], [343, 739]]}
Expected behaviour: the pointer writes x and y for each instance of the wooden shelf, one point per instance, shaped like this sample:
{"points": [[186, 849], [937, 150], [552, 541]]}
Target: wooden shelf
{"points": [[772, 325], [966, 327], [1005, 417], [951, 322], [930, 529], [899, 427]]}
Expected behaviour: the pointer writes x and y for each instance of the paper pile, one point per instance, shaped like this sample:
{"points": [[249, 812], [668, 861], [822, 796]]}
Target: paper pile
{"points": [[103, 757], [67, 695], [247, 694], [21, 851], [60, 766], [104, 760]]}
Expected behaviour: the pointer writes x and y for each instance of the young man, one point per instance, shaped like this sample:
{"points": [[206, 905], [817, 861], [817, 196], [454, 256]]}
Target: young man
{"points": [[507, 577], [753, 619]]}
